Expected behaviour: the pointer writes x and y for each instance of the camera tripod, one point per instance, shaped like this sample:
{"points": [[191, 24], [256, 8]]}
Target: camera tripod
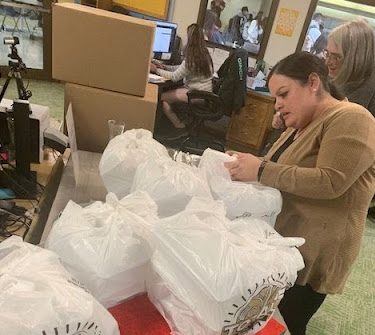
{"points": [[21, 180], [15, 69]]}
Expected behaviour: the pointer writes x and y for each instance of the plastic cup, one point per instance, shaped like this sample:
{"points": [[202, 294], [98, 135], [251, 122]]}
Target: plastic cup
{"points": [[115, 128]]}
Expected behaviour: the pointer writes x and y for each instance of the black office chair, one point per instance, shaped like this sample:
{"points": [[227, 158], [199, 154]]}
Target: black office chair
{"points": [[205, 107], [202, 106]]}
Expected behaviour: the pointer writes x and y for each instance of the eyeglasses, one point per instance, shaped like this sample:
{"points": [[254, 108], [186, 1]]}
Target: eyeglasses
{"points": [[331, 56]]}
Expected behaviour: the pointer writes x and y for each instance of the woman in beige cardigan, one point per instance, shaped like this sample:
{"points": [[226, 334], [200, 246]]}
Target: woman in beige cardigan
{"points": [[324, 166]]}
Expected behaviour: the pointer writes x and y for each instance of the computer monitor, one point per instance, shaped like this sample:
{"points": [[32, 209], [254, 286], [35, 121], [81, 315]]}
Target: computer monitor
{"points": [[165, 35]]}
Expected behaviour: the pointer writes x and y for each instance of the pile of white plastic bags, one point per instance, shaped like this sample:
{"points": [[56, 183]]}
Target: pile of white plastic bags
{"points": [[203, 246]]}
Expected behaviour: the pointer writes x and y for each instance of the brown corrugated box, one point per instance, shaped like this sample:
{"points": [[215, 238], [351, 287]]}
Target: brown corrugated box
{"points": [[101, 49], [93, 107]]}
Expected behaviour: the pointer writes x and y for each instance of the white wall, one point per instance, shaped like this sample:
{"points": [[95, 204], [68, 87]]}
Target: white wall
{"points": [[280, 46], [266, 6], [184, 14]]}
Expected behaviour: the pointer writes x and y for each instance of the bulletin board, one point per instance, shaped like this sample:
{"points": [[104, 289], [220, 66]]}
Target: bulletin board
{"points": [[286, 22], [155, 8]]}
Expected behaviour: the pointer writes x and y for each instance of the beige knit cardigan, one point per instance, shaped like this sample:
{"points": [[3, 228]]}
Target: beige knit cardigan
{"points": [[327, 180]]}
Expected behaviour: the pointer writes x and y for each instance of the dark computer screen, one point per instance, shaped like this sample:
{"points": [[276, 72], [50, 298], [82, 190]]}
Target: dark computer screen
{"points": [[165, 34]]}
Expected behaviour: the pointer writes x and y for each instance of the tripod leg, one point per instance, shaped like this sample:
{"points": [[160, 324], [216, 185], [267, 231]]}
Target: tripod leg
{"points": [[23, 94], [3, 90]]}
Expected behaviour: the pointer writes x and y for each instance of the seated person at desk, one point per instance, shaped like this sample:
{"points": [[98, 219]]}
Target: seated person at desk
{"points": [[196, 70]]}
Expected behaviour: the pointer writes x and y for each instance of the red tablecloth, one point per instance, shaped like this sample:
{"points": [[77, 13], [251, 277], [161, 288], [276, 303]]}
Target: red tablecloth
{"points": [[138, 316]]}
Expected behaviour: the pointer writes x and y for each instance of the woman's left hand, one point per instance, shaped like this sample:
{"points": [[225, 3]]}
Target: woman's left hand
{"points": [[153, 68], [244, 168]]}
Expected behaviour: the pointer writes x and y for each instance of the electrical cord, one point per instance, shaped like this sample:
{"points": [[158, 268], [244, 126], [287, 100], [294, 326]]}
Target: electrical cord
{"points": [[11, 223], [33, 181]]}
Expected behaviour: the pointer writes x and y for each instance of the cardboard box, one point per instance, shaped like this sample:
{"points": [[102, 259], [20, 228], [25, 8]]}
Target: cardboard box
{"points": [[101, 49], [92, 108]]}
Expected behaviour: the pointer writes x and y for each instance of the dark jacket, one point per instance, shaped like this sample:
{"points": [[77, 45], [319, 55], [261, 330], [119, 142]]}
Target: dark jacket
{"points": [[364, 94], [231, 85]]}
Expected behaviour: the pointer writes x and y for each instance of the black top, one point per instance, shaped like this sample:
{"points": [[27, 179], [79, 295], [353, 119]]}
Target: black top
{"points": [[275, 157]]}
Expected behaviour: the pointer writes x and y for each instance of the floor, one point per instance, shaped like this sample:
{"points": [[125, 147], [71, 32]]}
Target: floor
{"points": [[29, 32], [44, 93], [352, 312]]}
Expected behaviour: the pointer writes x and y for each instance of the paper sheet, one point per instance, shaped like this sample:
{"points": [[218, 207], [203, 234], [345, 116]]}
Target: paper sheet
{"points": [[154, 78]]}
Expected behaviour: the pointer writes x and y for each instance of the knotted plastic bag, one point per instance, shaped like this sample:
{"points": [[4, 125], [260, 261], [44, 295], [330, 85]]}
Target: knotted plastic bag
{"points": [[38, 296], [102, 245], [171, 184], [122, 156], [224, 277], [241, 199]]}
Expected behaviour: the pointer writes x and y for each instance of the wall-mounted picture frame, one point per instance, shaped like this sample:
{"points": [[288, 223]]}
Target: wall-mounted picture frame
{"points": [[229, 24], [156, 8]]}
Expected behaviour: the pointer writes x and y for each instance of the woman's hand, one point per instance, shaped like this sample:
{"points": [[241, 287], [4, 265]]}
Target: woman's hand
{"points": [[153, 68], [277, 121], [244, 168]]}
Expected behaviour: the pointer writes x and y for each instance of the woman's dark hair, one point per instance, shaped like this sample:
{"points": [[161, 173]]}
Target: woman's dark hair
{"points": [[198, 60], [300, 65]]}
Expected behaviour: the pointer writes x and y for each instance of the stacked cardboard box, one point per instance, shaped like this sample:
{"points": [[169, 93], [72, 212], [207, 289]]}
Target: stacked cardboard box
{"points": [[104, 59]]}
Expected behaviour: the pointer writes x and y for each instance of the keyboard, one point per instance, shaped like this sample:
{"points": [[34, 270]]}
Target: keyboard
{"points": [[156, 61]]}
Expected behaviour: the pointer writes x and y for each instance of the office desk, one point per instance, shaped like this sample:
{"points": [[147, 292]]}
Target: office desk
{"points": [[249, 128]]}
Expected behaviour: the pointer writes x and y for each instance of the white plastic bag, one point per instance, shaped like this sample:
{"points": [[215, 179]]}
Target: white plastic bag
{"points": [[261, 231], [247, 199], [180, 318], [226, 280], [241, 199], [38, 296], [171, 184], [212, 164], [98, 245], [122, 156]]}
